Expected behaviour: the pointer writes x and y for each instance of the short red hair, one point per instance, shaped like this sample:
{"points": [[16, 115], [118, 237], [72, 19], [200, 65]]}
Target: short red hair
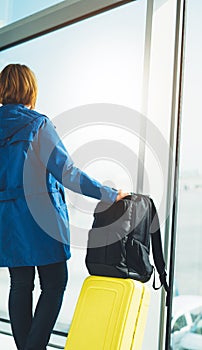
{"points": [[18, 85]]}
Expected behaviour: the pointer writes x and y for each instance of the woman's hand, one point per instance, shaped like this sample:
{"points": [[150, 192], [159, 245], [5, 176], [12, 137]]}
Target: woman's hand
{"points": [[121, 195]]}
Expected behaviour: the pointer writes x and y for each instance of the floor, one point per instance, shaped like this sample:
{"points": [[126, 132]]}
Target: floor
{"points": [[7, 343]]}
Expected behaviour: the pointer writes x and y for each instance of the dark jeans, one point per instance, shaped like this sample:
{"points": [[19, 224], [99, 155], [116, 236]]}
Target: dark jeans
{"points": [[32, 331]]}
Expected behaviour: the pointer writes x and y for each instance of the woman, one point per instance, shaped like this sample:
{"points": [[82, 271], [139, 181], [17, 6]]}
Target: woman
{"points": [[34, 230]]}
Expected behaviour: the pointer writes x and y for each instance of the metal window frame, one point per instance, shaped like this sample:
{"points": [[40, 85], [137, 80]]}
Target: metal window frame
{"points": [[175, 140], [145, 95], [53, 18]]}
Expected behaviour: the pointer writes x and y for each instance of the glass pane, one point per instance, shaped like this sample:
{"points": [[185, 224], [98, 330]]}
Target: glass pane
{"points": [[188, 265], [14, 10], [90, 78]]}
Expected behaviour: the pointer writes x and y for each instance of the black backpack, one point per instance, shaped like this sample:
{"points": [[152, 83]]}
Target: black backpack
{"points": [[119, 241]]}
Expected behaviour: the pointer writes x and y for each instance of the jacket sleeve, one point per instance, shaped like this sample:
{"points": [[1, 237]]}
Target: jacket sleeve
{"points": [[58, 162]]}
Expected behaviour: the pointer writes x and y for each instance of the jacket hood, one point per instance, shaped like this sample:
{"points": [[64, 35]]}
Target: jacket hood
{"points": [[14, 118]]}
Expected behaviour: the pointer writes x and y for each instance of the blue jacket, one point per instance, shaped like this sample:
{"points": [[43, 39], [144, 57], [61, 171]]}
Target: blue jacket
{"points": [[34, 166]]}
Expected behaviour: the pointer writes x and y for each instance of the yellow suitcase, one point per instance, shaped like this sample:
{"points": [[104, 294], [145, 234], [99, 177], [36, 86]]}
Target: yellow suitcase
{"points": [[110, 314]]}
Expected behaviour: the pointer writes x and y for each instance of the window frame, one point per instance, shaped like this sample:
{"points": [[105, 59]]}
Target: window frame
{"points": [[53, 18]]}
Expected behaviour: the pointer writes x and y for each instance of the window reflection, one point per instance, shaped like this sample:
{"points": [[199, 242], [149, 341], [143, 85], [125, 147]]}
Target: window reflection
{"points": [[188, 263]]}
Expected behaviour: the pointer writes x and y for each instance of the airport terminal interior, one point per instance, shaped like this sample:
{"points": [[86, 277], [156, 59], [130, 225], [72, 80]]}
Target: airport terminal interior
{"points": [[121, 81]]}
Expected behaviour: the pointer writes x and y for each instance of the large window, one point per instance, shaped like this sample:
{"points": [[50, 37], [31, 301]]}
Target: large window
{"points": [[90, 78], [108, 83]]}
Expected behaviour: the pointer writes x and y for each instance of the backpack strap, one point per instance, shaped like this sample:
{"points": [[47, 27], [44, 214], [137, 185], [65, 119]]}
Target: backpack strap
{"points": [[157, 249], [154, 281]]}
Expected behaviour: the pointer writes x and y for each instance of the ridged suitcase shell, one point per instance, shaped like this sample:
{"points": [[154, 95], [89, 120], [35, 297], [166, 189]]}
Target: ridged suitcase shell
{"points": [[110, 314]]}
